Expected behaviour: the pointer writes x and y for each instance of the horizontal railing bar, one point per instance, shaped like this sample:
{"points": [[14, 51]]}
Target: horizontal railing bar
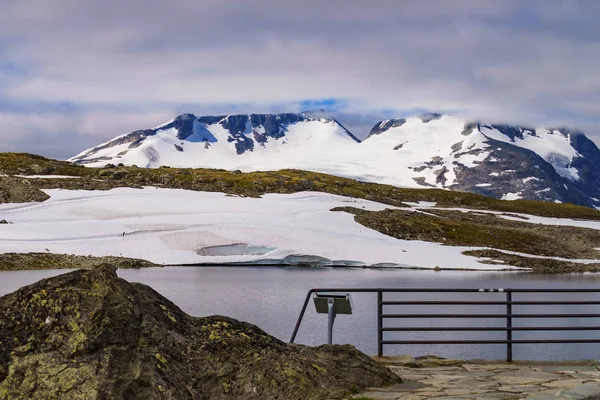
{"points": [[508, 316], [487, 303], [555, 290], [455, 290], [519, 341], [467, 290], [489, 328], [490, 315]]}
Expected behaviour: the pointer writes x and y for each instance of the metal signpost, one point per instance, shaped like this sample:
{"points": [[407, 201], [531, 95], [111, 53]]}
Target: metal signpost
{"points": [[332, 304]]}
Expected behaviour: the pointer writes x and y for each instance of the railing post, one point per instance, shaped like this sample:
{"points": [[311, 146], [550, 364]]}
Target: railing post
{"points": [[379, 323], [509, 325], [306, 300]]}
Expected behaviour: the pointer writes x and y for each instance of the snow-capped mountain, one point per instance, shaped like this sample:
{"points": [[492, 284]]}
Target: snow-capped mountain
{"points": [[501, 161], [191, 141], [432, 150]]}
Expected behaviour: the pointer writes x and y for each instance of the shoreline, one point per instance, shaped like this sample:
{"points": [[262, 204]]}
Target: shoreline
{"points": [[53, 261]]}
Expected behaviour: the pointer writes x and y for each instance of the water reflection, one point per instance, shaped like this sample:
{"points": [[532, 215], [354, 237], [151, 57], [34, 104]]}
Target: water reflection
{"points": [[272, 297]]}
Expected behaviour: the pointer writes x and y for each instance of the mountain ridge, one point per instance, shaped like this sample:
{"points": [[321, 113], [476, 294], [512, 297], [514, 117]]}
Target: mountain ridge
{"points": [[432, 150]]}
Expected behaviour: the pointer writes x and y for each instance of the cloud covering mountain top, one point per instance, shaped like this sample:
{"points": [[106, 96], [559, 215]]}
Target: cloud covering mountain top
{"points": [[74, 72]]}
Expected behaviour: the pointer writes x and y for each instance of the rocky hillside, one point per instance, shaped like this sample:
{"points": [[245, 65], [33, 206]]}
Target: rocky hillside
{"points": [[90, 335], [433, 150], [25, 169]]}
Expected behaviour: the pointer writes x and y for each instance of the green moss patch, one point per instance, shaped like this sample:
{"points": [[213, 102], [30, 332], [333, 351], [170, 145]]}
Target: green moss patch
{"points": [[538, 265], [34, 261], [456, 228]]}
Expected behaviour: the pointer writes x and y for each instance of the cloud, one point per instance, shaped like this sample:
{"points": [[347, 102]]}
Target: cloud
{"points": [[59, 135], [93, 69]]}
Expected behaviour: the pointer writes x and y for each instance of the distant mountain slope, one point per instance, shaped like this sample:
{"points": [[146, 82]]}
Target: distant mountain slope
{"points": [[433, 150], [500, 161], [194, 141]]}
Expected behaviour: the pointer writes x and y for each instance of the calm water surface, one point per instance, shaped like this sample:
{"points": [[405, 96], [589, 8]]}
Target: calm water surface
{"points": [[272, 297]]}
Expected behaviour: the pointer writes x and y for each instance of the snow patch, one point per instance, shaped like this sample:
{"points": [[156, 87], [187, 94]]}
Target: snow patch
{"points": [[553, 147], [143, 223], [511, 196]]}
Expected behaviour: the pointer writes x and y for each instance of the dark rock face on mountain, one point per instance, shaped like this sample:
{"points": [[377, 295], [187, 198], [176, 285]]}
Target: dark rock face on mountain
{"points": [[556, 164], [552, 181], [427, 117], [588, 165], [184, 125], [386, 125], [246, 130], [90, 335], [518, 170]]}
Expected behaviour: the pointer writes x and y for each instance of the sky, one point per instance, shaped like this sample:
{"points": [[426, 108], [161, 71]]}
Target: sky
{"points": [[75, 73]]}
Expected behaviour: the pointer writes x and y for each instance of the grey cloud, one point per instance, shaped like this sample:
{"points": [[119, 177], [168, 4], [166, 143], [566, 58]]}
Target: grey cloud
{"points": [[531, 62]]}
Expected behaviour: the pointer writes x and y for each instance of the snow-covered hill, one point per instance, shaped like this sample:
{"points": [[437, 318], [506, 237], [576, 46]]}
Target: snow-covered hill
{"points": [[223, 141], [432, 150]]}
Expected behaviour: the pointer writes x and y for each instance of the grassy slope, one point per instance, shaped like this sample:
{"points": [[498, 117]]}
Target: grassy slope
{"points": [[35, 261], [449, 227], [456, 228], [257, 183]]}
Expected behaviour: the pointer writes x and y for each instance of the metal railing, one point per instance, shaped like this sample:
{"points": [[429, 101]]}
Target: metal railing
{"points": [[507, 316]]}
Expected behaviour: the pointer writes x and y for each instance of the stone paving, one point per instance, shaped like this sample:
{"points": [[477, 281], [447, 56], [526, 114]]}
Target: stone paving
{"points": [[437, 378]]}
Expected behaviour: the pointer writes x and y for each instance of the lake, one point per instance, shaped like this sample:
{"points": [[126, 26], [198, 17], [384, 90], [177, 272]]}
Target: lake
{"points": [[271, 297]]}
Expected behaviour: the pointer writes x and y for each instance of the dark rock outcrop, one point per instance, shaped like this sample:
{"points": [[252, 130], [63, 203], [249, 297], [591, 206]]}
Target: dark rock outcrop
{"points": [[428, 117], [90, 335], [383, 126], [184, 125], [15, 190]]}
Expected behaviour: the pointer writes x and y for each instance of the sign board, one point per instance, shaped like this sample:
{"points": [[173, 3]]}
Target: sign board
{"points": [[342, 302]]}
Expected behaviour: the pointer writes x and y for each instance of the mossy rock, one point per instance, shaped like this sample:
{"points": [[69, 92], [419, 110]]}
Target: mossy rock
{"points": [[33, 261], [19, 190], [91, 335]]}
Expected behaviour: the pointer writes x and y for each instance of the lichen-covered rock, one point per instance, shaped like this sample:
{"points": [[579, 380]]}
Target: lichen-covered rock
{"points": [[15, 190], [30, 261], [91, 335]]}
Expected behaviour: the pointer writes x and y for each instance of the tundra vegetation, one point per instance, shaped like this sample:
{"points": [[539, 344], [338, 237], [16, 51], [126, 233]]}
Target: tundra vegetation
{"points": [[450, 227]]}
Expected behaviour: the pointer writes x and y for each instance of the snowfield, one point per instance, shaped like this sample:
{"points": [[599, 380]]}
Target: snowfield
{"points": [[173, 226]]}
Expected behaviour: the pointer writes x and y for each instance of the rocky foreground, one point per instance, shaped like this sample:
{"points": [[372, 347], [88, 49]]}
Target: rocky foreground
{"points": [[91, 335], [431, 377]]}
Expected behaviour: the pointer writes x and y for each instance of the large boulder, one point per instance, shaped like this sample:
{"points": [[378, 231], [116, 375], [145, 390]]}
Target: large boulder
{"points": [[15, 190], [91, 335]]}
